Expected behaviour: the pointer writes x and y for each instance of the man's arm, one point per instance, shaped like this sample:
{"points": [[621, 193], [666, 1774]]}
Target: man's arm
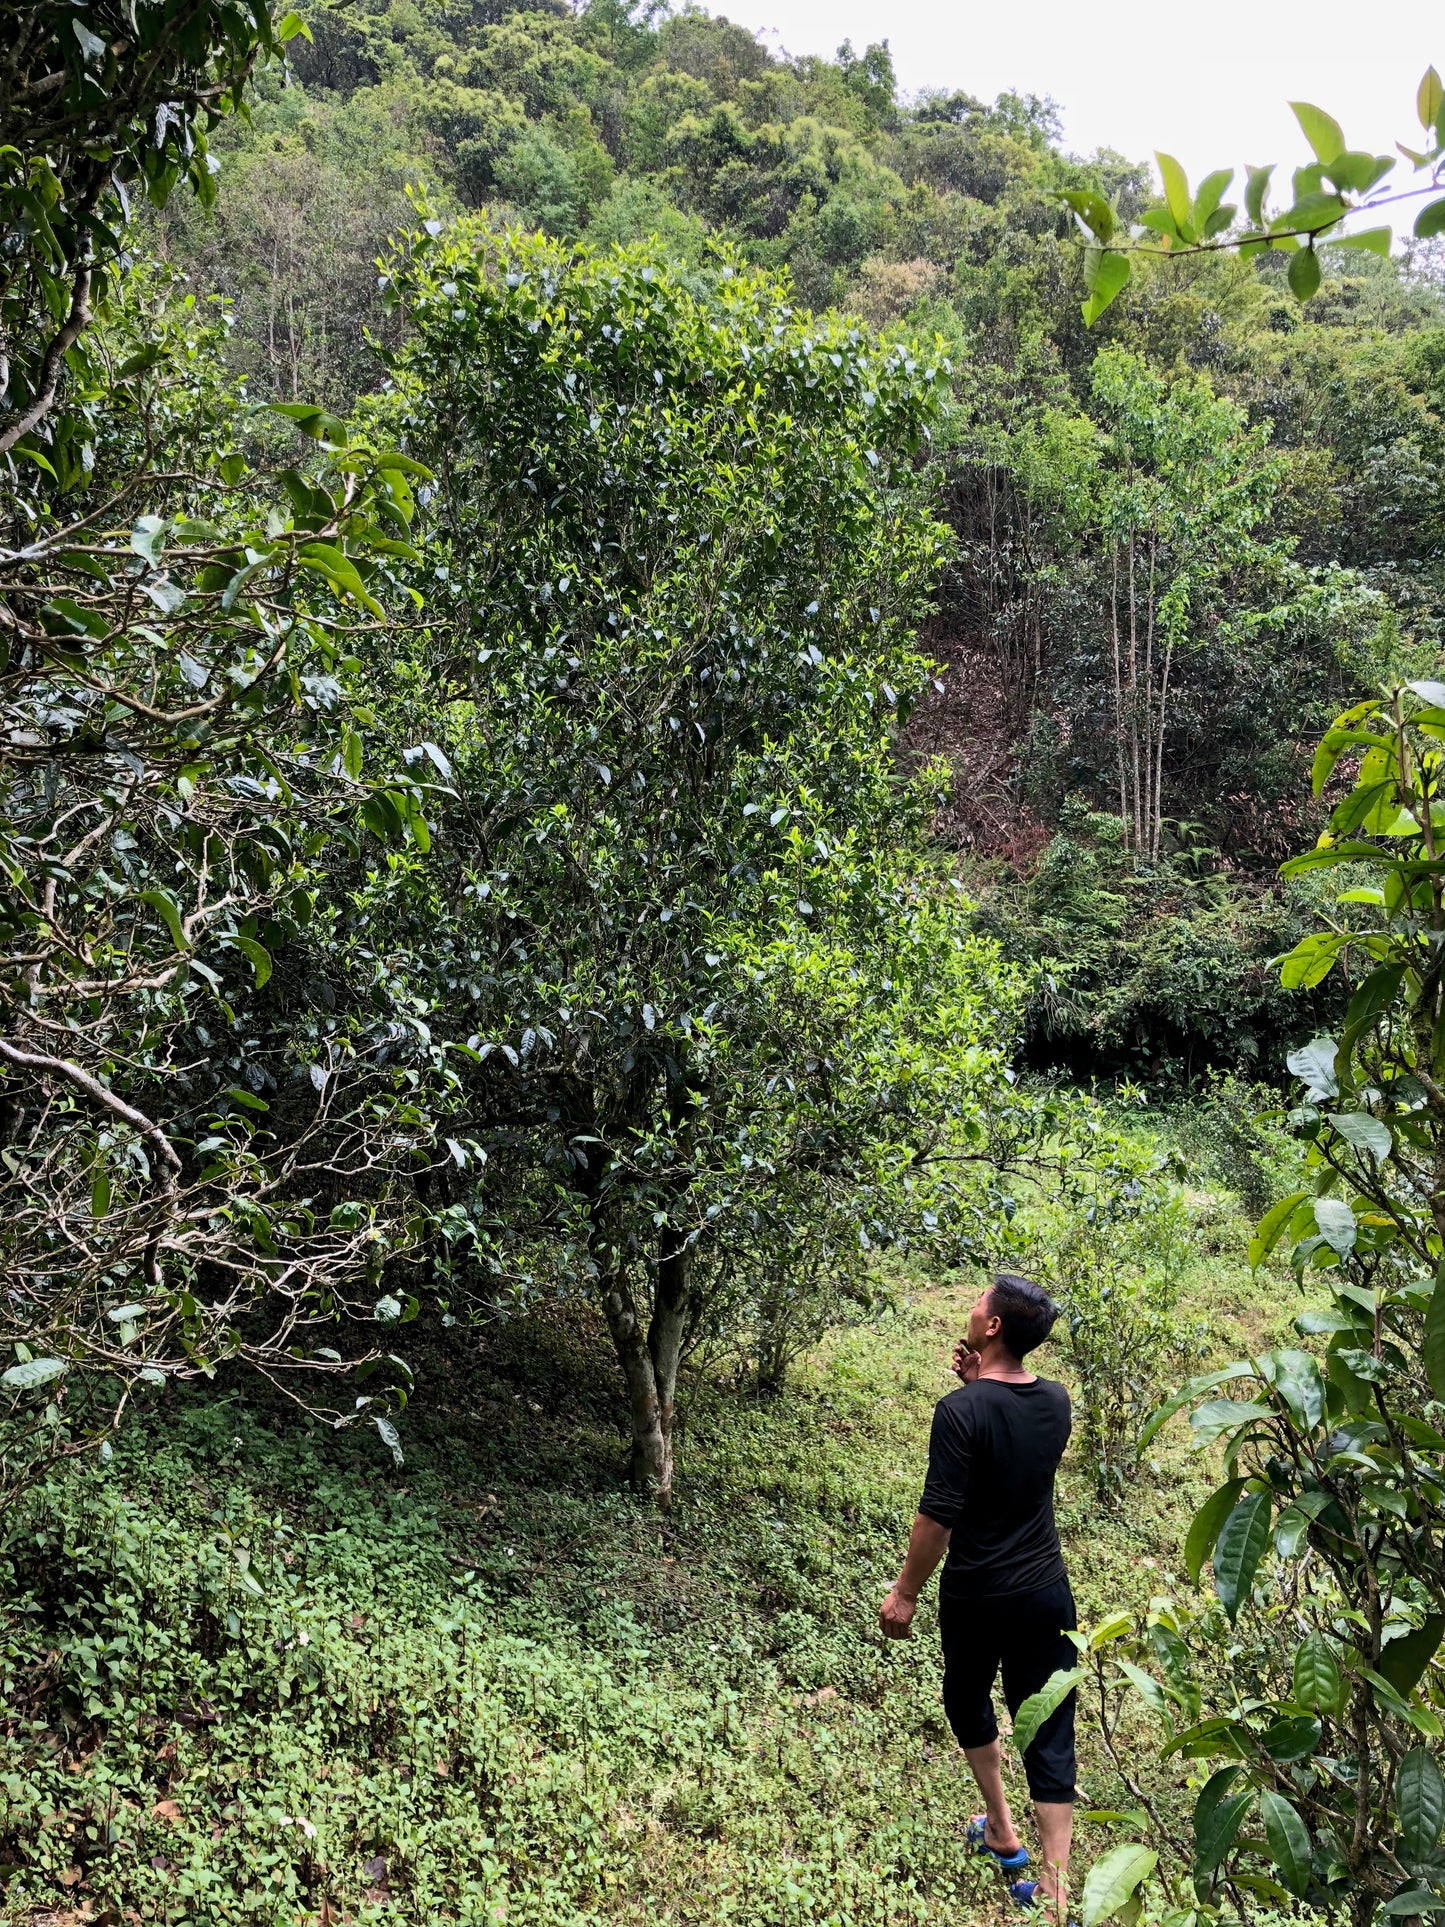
{"points": [[927, 1544]]}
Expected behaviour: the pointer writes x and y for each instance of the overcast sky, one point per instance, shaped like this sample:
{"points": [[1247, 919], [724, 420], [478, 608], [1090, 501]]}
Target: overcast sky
{"points": [[1209, 84]]}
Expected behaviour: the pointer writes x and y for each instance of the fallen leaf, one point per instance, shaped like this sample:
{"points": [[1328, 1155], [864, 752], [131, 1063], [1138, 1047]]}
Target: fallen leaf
{"points": [[166, 1810], [70, 1876]]}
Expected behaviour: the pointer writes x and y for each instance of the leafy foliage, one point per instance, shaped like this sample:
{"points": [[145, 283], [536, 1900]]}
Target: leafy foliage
{"points": [[710, 997]]}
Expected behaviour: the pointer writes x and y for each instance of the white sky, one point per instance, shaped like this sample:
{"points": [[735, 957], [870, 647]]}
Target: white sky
{"points": [[1208, 84]]}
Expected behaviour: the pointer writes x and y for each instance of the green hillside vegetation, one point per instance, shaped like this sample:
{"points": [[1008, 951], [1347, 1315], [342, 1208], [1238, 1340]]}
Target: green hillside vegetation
{"points": [[938, 216], [257, 1677], [656, 706]]}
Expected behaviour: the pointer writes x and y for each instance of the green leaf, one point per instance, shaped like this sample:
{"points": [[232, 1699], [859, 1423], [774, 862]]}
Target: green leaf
{"points": [[1414, 1900], [1432, 1349], [1362, 1133], [1241, 1545], [1311, 960], [1271, 1228], [1214, 1834], [1206, 1382], [1320, 130], [352, 754], [1369, 240], [33, 1373], [289, 26], [1336, 1222], [260, 958], [100, 1195], [247, 1099], [1304, 274], [1318, 1681], [1038, 1706], [1204, 1529], [1092, 209], [1176, 189], [1430, 221], [1419, 1803], [1288, 1837], [1114, 1878], [1298, 1382], [1107, 278], [1429, 99], [1375, 993], [166, 909], [1256, 187], [1403, 1661], [1212, 190]]}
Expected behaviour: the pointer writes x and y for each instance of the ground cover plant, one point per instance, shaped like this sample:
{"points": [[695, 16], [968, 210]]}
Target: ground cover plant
{"points": [[257, 1675]]}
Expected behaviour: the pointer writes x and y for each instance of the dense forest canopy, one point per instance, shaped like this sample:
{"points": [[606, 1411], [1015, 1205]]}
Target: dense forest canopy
{"points": [[940, 216], [648, 690]]}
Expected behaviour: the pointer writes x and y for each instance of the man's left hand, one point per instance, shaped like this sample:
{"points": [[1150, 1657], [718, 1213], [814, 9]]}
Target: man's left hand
{"points": [[895, 1615]]}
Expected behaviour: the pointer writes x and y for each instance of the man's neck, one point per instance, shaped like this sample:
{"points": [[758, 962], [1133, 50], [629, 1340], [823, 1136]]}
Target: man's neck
{"points": [[995, 1362]]}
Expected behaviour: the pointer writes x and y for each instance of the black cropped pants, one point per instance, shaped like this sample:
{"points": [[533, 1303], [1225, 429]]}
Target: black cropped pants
{"points": [[1024, 1635]]}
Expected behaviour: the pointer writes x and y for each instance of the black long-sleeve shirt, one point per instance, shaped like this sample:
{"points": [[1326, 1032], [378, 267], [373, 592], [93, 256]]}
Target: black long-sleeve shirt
{"points": [[992, 1456]]}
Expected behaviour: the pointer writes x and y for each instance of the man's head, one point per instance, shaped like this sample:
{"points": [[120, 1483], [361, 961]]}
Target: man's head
{"points": [[1013, 1312]]}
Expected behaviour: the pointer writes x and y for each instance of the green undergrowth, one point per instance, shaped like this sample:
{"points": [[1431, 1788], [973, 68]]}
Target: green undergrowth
{"points": [[255, 1672]]}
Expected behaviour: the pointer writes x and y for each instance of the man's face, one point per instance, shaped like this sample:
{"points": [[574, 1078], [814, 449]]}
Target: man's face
{"points": [[979, 1320]]}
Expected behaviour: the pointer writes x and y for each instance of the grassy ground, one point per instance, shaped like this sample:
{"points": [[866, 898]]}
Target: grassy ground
{"points": [[255, 1673]]}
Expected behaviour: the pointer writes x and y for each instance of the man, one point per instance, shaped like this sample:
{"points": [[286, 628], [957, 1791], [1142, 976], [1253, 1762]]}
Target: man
{"points": [[1004, 1598]]}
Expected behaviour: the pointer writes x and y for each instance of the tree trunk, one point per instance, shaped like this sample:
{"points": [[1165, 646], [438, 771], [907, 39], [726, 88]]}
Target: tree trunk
{"points": [[1118, 695], [649, 1361]]}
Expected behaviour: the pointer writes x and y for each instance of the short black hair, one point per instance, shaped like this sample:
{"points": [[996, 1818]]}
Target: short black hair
{"points": [[1025, 1311]]}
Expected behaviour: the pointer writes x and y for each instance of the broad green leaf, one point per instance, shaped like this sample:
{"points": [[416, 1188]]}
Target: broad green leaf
{"points": [[1297, 1380], [260, 958], [1419, 1803], [1113, 1879], [1212, 190], [1216, 1416], [1320, 130], [1038, 1706], [1271, 1228], [1311, 960], [1362, 1133], [1211, 1797], [1176, 189], [1318, 1681], [1107, 278], [1414, 1900], [1314, 1064], [100, 1194], [1336, 1222], [33, 1372], [1304, 274], [1176, 1400], [1403, 1661], [166, 909], [352, 754], [1204, 1529], [1370, 240], [1241, 1545], [1092, 209], [1375, 993], [1429, 98], [1430, 221], [1288, 1837], [1257, 186]]}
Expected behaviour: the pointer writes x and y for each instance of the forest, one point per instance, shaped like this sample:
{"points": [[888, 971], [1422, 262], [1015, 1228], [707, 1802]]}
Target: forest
{"points": [[660, 705]]}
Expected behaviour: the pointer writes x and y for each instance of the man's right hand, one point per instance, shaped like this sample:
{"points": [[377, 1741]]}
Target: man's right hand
{"points": [[895, 1615], [965, 1362]]}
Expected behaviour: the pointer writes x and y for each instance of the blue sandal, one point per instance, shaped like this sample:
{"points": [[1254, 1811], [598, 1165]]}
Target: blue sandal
{"points": [[1009, 1862], [1026, 1894]]}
